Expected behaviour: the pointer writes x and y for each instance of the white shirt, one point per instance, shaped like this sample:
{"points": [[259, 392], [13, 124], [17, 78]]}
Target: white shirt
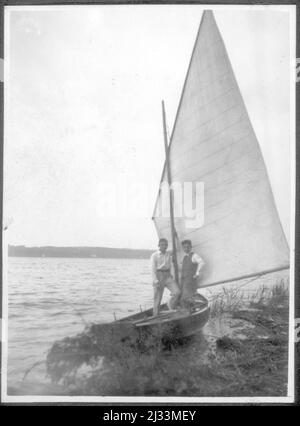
{"points": [[195, 259], [159, 260]]}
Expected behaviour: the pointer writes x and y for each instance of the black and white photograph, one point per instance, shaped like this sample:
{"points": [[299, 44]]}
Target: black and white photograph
{"points": [[148, 203]]}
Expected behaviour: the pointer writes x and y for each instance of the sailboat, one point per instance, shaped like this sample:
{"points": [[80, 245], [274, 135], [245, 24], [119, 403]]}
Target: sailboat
{"points": [[213, 142]]}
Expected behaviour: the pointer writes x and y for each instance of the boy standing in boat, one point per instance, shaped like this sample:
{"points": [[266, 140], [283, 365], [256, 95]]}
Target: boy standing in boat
{"points": [[191, 266], [161, 263]]}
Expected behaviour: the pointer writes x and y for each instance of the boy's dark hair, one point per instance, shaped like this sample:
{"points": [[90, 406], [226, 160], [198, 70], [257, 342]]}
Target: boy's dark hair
{"points": [[186, 242], [162, 240]]}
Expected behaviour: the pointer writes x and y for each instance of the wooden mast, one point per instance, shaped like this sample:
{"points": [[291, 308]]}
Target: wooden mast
{"points": [[173, 231]]}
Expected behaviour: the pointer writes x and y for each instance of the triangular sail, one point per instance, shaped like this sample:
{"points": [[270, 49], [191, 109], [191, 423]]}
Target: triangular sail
{"points": [[213, 142]]}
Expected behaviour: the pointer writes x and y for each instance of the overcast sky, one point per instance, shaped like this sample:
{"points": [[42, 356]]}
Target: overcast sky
{"points": [[83, 94]]}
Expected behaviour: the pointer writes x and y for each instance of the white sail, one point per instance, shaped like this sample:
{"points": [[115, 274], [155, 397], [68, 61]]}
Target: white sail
{"points": [[213, 142]]}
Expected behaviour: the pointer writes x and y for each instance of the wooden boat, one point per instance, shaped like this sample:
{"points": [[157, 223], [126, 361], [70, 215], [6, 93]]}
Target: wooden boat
{"points": [[170, 325]]}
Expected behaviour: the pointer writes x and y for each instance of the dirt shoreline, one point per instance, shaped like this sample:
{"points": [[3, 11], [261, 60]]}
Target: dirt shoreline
{"points": [[253, 357]]}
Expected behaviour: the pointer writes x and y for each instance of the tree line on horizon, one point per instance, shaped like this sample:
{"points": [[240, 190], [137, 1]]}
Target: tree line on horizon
{"points": [[83, 252]]}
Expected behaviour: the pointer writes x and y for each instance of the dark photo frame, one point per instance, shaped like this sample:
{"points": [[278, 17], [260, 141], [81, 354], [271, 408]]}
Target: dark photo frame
{"points": [[188, 405]]}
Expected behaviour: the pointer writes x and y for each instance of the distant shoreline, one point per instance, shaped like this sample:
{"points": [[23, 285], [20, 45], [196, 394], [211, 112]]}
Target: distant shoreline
{"points": [[78, 252]]}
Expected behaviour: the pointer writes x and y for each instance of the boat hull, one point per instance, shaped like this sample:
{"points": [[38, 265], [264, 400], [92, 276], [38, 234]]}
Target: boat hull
{"points": [[170, 325]]}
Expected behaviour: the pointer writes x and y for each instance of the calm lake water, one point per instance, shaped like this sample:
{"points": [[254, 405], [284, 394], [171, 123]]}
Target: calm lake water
{"points": [[51, 298]]}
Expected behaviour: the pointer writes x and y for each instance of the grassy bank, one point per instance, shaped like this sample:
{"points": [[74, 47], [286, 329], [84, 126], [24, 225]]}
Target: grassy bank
{"points": [[253, 364]]}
